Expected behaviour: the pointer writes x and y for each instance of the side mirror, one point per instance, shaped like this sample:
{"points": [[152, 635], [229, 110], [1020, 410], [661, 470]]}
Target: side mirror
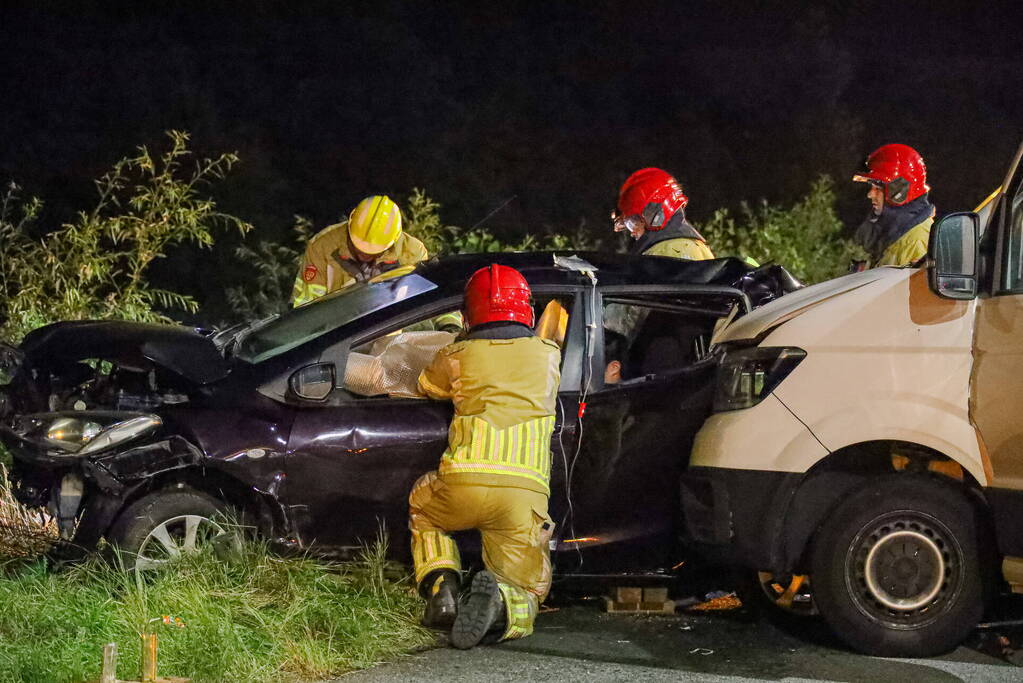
{"points": [[952, 267], [313, 382]]}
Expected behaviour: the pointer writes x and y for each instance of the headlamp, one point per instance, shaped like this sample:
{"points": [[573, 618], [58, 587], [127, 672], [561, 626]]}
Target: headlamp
{"points": [[747, 376], [82, 433]]}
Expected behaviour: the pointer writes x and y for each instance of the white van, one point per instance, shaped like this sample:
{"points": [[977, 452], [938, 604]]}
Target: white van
{"points": [[868, 432]]}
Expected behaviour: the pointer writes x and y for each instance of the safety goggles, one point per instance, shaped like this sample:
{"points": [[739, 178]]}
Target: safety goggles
{"points": [[630, 223]]}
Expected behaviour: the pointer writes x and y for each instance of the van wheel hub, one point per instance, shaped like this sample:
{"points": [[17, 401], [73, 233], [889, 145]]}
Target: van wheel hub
{"points": [[902, 567]]}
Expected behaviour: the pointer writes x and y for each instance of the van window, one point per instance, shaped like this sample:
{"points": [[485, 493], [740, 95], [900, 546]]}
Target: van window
{"points": [[1014, 264]]}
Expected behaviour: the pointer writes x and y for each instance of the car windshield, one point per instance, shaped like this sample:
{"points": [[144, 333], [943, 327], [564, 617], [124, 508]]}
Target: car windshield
{"points": [[274, 336]]}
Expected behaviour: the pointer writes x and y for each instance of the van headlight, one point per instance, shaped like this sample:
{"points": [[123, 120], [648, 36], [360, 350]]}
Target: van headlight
{"points": [[746, 376], [82, 433]]}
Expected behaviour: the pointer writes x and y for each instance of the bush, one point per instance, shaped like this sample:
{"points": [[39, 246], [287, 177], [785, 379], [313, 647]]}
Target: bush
{"points": [[95, 266], [807, 238], [277, 263]]}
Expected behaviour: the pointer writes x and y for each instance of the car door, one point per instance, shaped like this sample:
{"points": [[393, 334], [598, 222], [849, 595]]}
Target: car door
{"points": [[996, 402], [635, 435], [352, 461]]}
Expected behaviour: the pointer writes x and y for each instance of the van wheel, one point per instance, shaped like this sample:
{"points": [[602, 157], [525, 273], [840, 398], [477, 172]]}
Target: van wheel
{"points": [[155, 530], [897, 570]]}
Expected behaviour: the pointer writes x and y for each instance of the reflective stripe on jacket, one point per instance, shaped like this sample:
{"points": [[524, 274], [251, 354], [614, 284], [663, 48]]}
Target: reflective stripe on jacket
{"points": [[504, 393], [685, 248], [909, 248], [329, 265]]}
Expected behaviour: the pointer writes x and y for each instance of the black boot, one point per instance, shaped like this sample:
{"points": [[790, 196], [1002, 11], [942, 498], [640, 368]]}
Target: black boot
{"points": [[440, 588], [481, 614]]}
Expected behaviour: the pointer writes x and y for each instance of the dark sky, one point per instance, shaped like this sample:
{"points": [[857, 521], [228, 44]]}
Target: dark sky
{"points": [[552, 103]]}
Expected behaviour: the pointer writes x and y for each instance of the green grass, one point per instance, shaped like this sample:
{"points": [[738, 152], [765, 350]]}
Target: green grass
{"points": [[254, 617]]}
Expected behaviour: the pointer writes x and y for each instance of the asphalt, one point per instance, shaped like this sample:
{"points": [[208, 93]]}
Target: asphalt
{"points": [[579, 642]]}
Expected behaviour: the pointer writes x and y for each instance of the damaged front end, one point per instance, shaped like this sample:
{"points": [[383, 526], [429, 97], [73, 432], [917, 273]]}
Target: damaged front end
{"points": [[79, 406], [81, 466]]}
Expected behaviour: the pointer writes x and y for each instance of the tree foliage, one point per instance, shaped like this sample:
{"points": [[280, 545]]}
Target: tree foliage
{"points": [[806, 238], [96, 265]]}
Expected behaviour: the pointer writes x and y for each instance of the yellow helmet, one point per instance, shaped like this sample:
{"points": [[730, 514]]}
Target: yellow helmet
{"points": [[375, 224]]}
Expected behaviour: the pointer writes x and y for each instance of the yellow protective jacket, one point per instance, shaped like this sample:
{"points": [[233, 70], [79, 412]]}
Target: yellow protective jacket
{"points": [[328, 264], [686, 248], [909, 248], [504, 393]]}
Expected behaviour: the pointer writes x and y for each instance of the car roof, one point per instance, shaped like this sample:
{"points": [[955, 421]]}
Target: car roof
{"points": [[450, 273]]}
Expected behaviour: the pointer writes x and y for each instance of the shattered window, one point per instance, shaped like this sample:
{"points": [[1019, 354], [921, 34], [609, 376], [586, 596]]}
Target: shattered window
{"points": [[277, 335]]}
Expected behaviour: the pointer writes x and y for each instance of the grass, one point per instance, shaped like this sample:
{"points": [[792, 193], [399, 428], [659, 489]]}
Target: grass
{"points": [[253, 617]]}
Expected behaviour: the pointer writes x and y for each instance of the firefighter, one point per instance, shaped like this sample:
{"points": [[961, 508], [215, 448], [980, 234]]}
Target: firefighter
{"points": [[651, 208], [494, 475], [370, 243], [896, 231]]}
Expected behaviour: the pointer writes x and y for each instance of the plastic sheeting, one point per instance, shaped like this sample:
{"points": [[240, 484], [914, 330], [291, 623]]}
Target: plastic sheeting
{"points": [[391, 365]]}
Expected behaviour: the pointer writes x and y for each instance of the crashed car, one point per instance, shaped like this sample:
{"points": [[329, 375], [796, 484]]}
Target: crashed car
{"points": [[307, 425]]}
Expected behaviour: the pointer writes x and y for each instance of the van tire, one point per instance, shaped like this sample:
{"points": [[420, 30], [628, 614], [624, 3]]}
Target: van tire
{"points": [[900, 568]]}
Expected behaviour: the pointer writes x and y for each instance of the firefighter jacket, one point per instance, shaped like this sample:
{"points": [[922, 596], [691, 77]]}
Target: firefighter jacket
{"points": [[329, 265], [909, 248], [678, 239], [504, 392], [899, 235]]}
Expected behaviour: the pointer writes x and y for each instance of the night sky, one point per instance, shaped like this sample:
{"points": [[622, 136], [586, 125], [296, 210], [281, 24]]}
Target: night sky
{"points": [[553, 104]]}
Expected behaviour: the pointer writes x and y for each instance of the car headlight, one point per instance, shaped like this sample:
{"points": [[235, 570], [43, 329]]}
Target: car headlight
{"points": [[748, 376], [82, 433]]}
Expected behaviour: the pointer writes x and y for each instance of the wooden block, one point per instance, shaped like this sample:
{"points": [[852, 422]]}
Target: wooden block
{"points": [[658, 594], [614, 607], [627, 594]]}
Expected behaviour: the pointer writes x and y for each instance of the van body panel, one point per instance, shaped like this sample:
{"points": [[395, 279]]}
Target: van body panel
{"points": [[766, 437], [889, 360], [754, 324], [996, 399]]}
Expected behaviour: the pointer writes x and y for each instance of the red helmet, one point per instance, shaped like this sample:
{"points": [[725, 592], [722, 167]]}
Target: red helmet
{"points": [[653, 194], [498, 293], [900, 170]]}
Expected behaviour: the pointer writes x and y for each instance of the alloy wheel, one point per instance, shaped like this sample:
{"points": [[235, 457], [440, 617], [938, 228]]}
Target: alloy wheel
{"points": [[178, 536]]}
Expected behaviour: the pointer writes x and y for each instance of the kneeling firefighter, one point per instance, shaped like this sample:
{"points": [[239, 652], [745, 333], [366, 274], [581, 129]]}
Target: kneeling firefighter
{"points": [[494, 475]]}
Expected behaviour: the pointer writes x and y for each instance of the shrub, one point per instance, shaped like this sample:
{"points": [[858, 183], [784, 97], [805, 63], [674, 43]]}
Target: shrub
{"points": [[807, 238], [277, 263], [95, 266]]}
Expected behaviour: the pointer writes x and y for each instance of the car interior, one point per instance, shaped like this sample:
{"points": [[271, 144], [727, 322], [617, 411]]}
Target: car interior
{"points": [[389, 364]]}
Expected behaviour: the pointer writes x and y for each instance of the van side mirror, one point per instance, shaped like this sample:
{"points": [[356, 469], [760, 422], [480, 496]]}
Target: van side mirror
{"points": [[952, 266], [313, 382]]}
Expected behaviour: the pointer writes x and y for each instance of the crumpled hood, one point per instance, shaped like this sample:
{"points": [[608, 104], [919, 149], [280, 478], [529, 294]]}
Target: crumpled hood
{"points": [[182, 350], [761, 320]]}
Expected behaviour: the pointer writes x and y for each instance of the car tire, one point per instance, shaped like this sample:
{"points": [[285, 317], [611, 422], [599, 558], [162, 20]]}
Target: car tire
{"points": [[900, 567], [161, 526]]}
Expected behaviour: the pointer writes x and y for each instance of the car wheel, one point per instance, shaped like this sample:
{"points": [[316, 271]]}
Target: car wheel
{"points": [[897, 569], [161, 527]]}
